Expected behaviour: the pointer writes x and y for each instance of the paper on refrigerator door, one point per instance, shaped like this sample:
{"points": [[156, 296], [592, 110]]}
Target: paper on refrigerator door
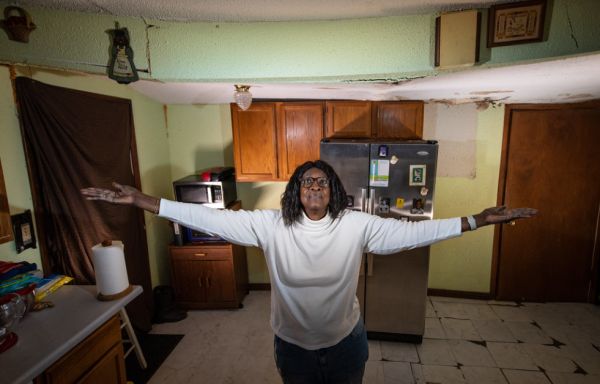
{"points": [[380, 173]]}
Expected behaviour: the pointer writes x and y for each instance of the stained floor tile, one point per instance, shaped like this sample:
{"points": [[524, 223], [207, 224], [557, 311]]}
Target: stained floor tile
{"points": [[465, 341], [483, 375]]}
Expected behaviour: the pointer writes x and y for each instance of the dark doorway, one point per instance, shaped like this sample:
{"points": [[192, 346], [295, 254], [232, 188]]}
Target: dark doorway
{"points": [[550, 161]]}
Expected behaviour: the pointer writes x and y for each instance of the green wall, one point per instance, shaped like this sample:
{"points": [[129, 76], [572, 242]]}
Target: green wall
{"points": [[14, 167], [153, 155], [361, 49], [464, 263]]}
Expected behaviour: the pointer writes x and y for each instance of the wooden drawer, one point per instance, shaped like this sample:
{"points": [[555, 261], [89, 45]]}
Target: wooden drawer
{"points": [[201, 253], [99, 355]]}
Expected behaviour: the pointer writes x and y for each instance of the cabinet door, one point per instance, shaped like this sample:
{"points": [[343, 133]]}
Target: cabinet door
{"points": [[398, 119], [189, 283], [255, 142], [348, 119], [220, 280], [6, 233], [300, 130]]}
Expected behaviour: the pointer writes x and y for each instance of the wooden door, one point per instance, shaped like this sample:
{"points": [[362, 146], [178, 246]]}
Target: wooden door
{"points": [[398, 119], [300, 130], [348, 119], [550, 161], [255, 142], [220, 280], [189, 283], [6, 233]]}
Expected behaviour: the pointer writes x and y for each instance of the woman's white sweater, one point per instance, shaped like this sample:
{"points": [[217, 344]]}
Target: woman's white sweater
{"points": [[313, 265]]}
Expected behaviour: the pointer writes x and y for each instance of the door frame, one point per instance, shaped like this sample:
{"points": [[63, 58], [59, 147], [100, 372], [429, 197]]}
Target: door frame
{"points": [[509, 109]]}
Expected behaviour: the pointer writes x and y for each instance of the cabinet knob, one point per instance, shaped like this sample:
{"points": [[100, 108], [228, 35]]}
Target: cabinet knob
{"points": [[200, 254], [200, 282]]}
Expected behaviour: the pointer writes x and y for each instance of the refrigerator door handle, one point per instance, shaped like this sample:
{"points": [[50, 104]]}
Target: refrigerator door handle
{"points": [[372, 202], [363, 208], [369, 264]]}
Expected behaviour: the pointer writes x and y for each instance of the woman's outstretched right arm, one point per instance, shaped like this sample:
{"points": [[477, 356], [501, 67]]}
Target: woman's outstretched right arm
{"points": [[242, 227]]}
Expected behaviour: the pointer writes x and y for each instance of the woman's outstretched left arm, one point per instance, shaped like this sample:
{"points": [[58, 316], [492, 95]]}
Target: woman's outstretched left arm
{"points": [[495, 215]]}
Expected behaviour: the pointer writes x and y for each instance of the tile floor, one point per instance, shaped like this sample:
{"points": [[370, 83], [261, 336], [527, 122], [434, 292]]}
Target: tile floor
{"points": [[465, 341]]}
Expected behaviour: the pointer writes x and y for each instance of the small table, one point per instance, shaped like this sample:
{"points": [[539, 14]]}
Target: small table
{"points": [[45, 336]]}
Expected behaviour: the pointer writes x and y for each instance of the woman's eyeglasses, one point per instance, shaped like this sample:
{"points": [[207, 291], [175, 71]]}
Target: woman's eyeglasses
{"points": [[308, 182]]}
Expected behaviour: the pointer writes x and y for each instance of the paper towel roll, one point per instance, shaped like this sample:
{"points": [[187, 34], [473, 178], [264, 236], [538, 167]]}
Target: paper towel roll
{"points": [[110, 269]]}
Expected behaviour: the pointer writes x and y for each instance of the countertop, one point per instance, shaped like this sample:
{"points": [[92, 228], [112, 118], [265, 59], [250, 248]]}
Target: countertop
{"points": [[45, 336]]}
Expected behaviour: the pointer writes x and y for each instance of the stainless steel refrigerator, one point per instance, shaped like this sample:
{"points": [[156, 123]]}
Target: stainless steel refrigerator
{"points": [[392, 180]]}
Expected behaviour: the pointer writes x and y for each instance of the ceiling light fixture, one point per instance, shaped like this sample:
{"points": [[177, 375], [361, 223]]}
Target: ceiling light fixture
{"points": [[242, 97]]}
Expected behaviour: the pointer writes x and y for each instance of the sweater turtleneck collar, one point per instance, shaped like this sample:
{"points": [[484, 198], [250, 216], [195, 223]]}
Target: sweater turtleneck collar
{"points": [[307, 222]]}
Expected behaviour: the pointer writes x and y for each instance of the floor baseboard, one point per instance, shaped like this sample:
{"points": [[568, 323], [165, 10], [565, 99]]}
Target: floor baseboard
{"points": [[430, 292], [459, 294], [260, 286]]}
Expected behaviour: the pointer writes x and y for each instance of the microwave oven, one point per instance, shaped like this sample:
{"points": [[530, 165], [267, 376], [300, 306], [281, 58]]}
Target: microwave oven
{"points": [[214, 188]]}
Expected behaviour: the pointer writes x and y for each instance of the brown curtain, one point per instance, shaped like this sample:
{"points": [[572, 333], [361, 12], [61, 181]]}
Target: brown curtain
{"points": [[78, 140]]}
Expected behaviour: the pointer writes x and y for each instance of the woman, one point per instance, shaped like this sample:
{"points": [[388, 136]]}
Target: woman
{"points": [[313, 247]]}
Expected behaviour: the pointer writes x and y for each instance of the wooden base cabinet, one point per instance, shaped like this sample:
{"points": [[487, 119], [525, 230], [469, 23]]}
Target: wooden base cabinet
{"points": [[99, 359], [211, 275]]}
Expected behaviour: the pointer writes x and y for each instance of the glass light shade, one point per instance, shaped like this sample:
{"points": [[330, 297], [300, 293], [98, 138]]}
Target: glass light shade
{"points": [[242, 97]]}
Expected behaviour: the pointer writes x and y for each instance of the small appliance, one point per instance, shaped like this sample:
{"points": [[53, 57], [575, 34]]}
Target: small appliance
{"points": [[213, 187]]}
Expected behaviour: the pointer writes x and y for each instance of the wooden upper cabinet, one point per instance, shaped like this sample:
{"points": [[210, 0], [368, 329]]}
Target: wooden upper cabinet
{"points": [[300, 130], [271, 139], [348, 119], [398, 119], [6, 233], [255, 142]]}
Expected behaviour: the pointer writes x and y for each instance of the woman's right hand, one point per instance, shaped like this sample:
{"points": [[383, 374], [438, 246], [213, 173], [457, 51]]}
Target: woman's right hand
{"points": [[124, 195]]}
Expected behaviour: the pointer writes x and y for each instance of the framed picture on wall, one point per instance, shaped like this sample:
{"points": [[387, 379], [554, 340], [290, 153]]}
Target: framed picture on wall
{"points": [[516, 23]]}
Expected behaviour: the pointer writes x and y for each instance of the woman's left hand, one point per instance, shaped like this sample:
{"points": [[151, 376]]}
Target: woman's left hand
{"points": [[498, 215]]}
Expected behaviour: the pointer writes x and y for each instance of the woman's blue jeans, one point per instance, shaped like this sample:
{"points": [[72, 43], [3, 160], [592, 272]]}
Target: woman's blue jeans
{"points": [[341, 363]]}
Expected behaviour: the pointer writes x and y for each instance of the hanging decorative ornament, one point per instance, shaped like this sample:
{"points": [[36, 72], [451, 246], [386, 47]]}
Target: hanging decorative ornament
{"points": [[242, 97], [18, 27], [121, 67]]}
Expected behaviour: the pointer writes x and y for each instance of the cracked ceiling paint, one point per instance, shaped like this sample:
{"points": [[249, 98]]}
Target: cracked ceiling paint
{"points": [[260, 10], [574, 80]]}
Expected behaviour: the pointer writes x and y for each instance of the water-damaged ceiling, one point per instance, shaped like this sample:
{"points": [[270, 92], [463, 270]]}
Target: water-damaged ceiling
{"points": [[568, 80], [562, 80]]}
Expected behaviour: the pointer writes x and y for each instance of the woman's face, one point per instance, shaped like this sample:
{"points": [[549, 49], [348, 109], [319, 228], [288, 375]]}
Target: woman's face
{"points": [[315, 198]]}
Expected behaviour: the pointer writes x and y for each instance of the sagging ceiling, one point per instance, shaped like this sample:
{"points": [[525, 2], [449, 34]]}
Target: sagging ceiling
{"points": [[556, 81]]}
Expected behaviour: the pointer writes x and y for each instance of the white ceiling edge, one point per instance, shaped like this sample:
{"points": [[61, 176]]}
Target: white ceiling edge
{"points": [[559, 81], [259, 10]]}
